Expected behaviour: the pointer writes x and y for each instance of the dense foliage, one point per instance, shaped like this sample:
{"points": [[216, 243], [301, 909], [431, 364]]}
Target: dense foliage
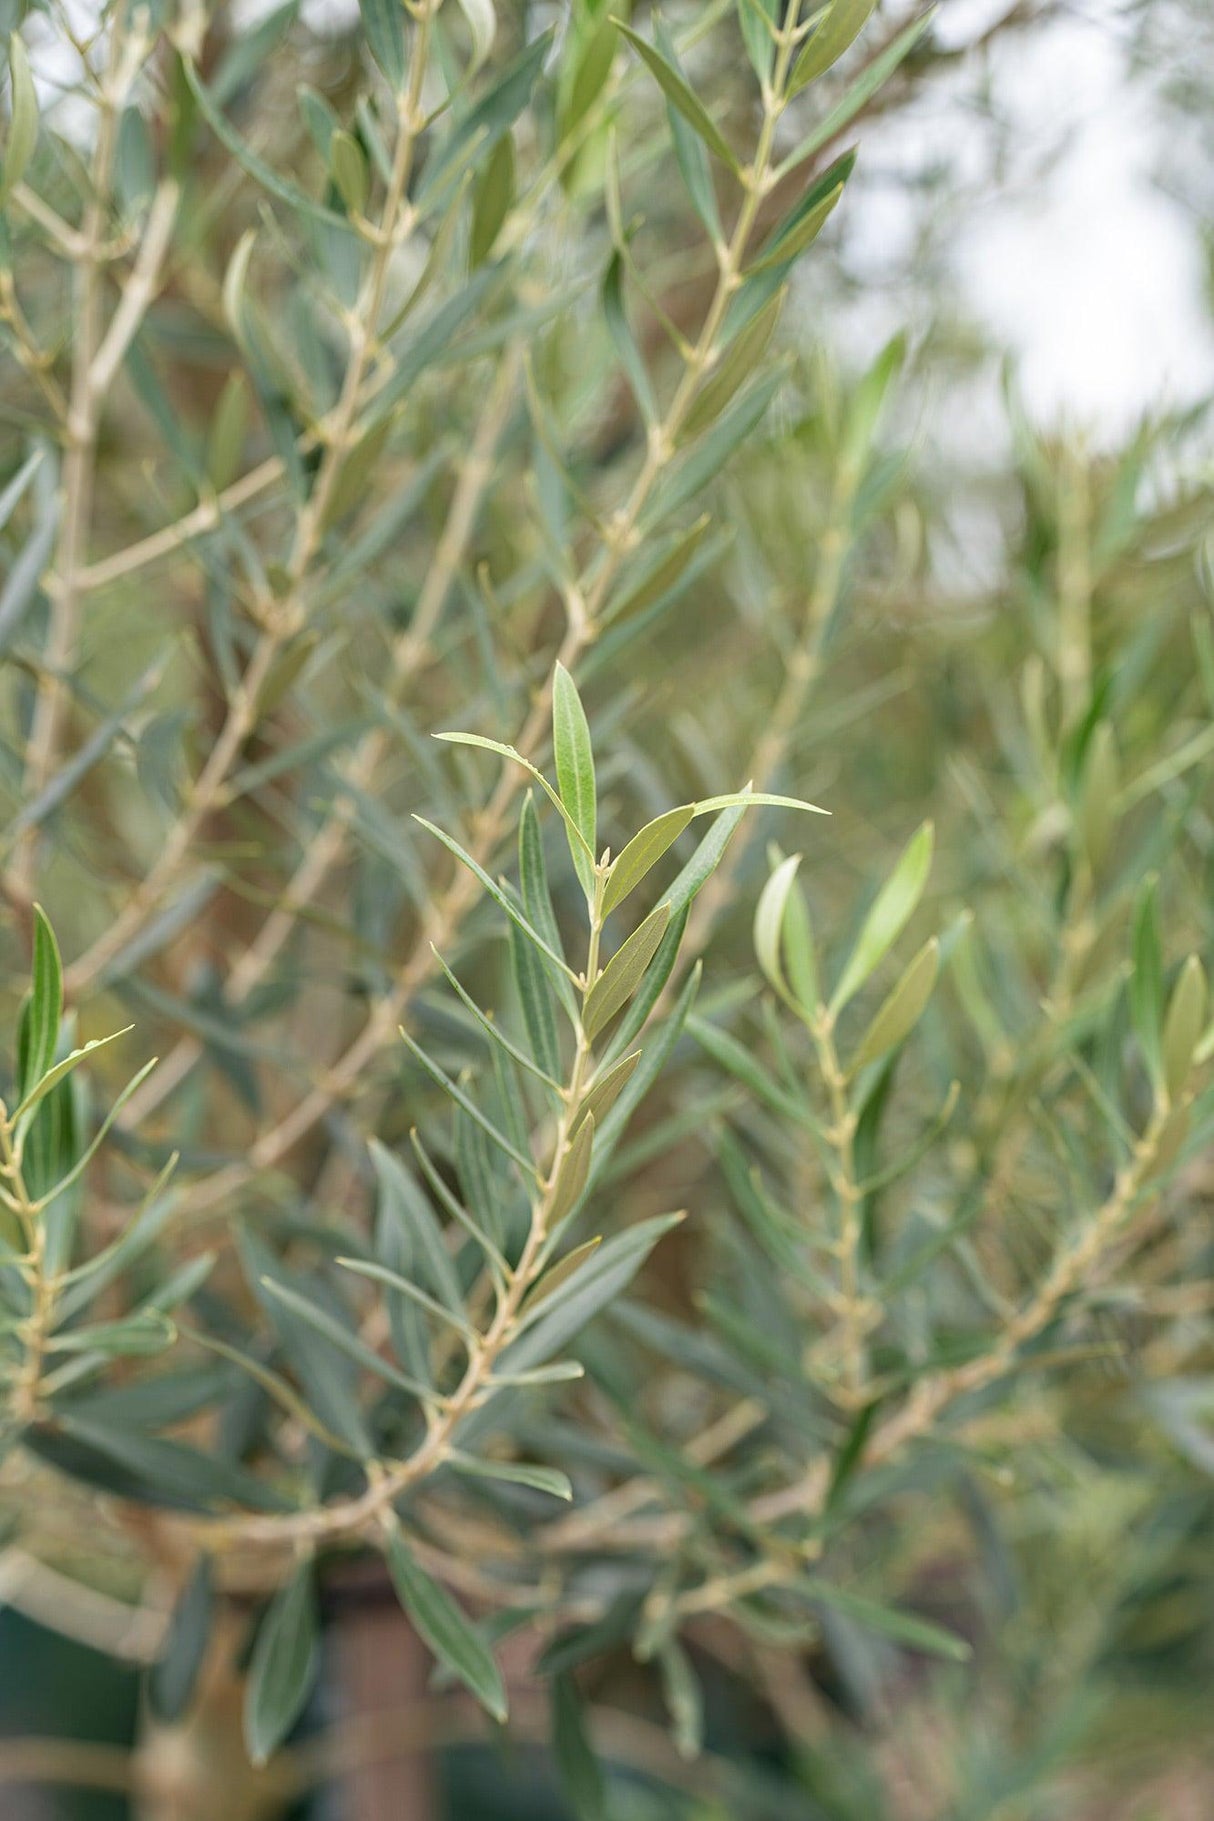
{"points": [[743, 1270]]}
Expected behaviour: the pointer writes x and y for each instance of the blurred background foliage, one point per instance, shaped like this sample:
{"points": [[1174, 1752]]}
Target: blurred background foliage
{"points": [[919, 587]]}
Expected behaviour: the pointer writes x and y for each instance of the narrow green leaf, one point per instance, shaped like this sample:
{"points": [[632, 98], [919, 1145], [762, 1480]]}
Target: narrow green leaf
{"points": [[907, 1156], [153, 1402], [384, 27], [575, 772], [228, 432], [250, 161], [492, 115], [59, 1072], [492, 1030], [45, 1003], [757, 24], [276, 1387], [851, 1453], [492, 200], [616, 317], [537, 900], [297, 653], [319, 119], [439, 339], [601, 1278], [572, 1173], [902, 1009], [137, 1337], [515, 1112], [23, 119], [659, 1046], [344, 1339], [175, 1673], [382, 1274], [514, 1473], [755, 799], [503, 751], [560, 1273], [607, 1089], [739, 1061], [459, 1213], [836, 33], [349, 169], [37, 809], [482, 1188], [643, 852], [482, 27], [735, 367], [687, 482], [454, 1092], [1146, 982], [576, 1644], [859, 94], [496, 893], [1183, 1026], [402, 1202], [577, 1767], [684, 1702], [247, 52], [397, 1250], [532, 982], [769, 925], [689, 152], [902, 1627], [151, 1469], [86, 1156], [646, 998], [888, 917], [778, 1231], [868, 399], [28, 566], [286, 1657], [1096, 812], [437, 1619], [81, 1285], [794, 237], [15, 490], [589, 76], [704, 862], [560, 1372], [322, 1366], [800, 959], [623, 973], [678, 93], [658, 573]]}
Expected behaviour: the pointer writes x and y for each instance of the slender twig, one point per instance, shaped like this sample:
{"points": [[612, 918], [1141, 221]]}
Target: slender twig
{"points": [[84, 408], [69, 1764], [41, 1282], [207, 516], [1074, 586], [65, 1604], [855, 1311], [139, 290]]}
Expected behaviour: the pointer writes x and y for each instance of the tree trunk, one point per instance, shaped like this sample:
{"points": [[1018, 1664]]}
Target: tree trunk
{"points": [[378, 1668]]}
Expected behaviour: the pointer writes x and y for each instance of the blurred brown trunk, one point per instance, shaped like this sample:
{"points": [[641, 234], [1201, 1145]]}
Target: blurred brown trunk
{"points": [[379, 1669], [376, 1671]]}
